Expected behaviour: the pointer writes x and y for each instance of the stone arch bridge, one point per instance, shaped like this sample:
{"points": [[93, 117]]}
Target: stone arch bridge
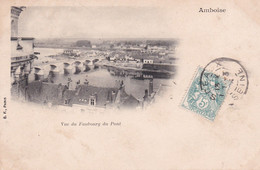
{"points": [[67, 67]]}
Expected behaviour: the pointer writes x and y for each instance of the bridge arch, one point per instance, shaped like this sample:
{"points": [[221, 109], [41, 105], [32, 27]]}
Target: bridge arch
{"points": [[95, 60]]}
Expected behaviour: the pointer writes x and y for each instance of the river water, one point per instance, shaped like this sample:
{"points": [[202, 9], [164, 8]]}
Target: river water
{"points": [[136, 82]]}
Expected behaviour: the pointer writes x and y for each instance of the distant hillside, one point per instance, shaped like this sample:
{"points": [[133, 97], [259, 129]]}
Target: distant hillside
{"points": [[83, 43], [77, 42], [161, 42], [55, 42]]}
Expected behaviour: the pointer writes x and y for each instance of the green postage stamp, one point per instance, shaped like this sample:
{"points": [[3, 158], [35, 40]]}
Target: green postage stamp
{"points": [[206, 94]]}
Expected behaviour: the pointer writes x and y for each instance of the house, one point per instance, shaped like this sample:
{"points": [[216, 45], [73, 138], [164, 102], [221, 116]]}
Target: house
{"points": [[148, 61], [85, 95], [162, 53], [149, 95], [43, 92], [91, 95], [124, 100], [112, 59], [138, 60], [71, 52]]}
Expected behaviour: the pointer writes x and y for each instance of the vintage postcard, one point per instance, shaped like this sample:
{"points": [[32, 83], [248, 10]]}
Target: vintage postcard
{"points": [[129, 85]]}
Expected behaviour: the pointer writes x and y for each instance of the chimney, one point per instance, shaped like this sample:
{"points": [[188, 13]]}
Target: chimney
{"points": [[78, 88], [109, 98], [86, 82], [145, 94], [69, 83], [113, 97], [117, 83], [150, 87], [122, 86], [60, 91]]}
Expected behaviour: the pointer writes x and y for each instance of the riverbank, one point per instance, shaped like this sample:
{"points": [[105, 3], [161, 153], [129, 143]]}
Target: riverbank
{"points": [[113, 65]]}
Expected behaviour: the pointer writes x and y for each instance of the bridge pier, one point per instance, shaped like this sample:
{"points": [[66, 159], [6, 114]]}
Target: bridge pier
{"points": [[69, 68], [38, 73]]}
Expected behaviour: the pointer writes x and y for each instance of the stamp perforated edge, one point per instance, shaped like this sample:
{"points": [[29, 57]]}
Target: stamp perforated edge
{"points": [[187, 89]]}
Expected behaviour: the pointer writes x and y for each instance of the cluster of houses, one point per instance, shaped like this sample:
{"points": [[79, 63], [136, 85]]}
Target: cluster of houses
{"points": [[137, 57], [85, 53], [72, 52], [120, 56], [86, 95], [127, 52]]}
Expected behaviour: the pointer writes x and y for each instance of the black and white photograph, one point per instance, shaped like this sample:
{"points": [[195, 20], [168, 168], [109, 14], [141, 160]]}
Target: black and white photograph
{"points": [[88, 59]]}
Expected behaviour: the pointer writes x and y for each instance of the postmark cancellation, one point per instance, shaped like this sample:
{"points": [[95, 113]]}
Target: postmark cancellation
{"points": [[206, 94]]}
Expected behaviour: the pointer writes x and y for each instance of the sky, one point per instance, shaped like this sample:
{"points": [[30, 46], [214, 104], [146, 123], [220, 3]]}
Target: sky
{"points": [[95, 22]]}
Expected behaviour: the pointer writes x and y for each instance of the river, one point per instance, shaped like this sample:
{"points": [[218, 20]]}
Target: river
{"points": [[136, 82]]}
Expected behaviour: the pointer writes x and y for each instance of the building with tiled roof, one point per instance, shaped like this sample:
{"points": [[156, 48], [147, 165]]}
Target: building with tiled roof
{"points": [[92, 95], [85, 95]]}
